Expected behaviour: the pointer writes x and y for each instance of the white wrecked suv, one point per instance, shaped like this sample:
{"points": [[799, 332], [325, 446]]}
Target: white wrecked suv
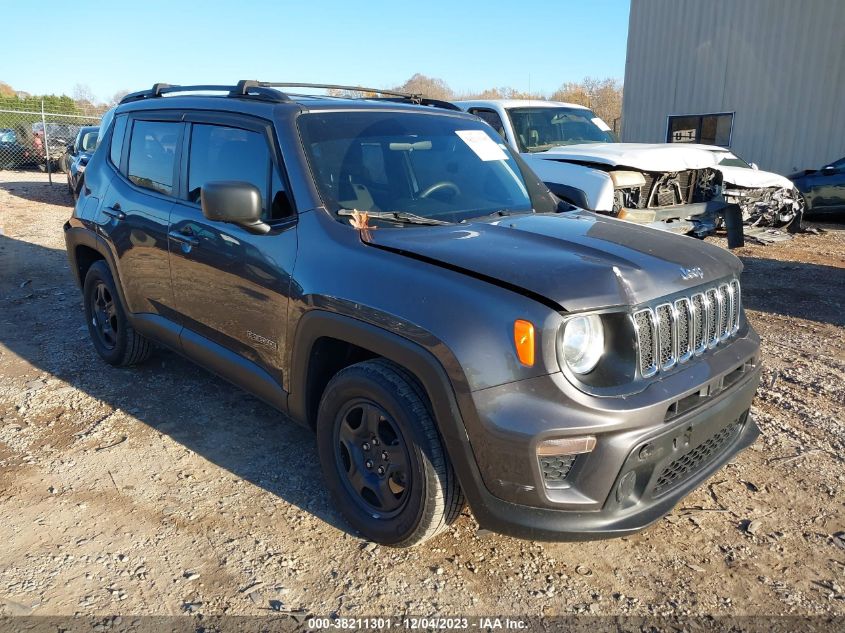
{"points": [[677, 188], [766, 199]]}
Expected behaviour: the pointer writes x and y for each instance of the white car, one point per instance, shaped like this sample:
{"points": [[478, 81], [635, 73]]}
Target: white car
{"points": [[672, 187], [766, 198]]}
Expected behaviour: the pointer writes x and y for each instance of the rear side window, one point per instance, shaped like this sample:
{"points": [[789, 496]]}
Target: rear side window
{"points": [[228, 153], [152, 152], [117, 140]]}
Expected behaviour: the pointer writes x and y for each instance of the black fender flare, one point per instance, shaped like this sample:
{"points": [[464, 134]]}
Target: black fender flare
{"points": [[423, 364], [80, 236]]}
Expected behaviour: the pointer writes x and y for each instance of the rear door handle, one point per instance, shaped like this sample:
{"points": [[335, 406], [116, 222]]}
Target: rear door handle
{"points": [[185, 236], [115, 212]]}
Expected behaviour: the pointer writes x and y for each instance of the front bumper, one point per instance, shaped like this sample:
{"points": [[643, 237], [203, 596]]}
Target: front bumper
{"points": [[700, 219], [602, 499]]}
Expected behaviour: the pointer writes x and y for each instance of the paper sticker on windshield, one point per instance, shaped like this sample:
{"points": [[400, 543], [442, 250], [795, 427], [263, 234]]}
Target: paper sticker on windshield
{"points": [[604, 127], [481, 143]]}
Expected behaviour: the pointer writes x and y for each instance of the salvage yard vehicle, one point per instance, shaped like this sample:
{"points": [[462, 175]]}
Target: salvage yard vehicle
{"points": [[823, 190], [393, 277], [765, 198], [78, 154], [670, 187]]}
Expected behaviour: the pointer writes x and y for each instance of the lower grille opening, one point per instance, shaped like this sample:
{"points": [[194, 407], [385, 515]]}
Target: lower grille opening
{"points": [[691, 401], [556, 469], [694, 460]]}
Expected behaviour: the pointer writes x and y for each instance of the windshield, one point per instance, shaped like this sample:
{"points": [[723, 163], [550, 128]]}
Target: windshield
{"points": [[539, 129], [726, 159], [435, 166]]}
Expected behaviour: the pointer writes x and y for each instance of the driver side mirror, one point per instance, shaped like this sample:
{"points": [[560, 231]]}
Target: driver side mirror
{"points": [[70, 148], [754, 166], [828, 168], [234, 202]]}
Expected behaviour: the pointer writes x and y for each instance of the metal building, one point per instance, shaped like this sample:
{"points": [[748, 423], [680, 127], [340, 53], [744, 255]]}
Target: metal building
{"points": [[763, 77]]}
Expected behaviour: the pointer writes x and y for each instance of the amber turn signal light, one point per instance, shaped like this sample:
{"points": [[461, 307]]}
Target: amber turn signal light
{"points": [[523, 339]]}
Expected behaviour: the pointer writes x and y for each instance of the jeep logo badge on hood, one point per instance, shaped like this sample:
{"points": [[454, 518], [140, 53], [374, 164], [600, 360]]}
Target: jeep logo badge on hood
{"points": [[692, 273]]}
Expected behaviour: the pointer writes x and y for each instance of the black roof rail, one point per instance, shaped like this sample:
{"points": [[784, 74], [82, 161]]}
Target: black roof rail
{"points": [[389, 95], [392, 93], [244, 88], [266, 90], [434, 103]]}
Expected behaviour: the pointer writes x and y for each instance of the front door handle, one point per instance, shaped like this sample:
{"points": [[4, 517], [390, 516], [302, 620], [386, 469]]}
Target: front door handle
{"points": [[115, 212], [185, 236]]}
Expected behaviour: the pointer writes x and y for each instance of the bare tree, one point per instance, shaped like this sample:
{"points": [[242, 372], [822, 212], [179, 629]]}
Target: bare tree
{"points": [[502, 92], [430, 87], [602, 96], [82, 93], [117, 96]]}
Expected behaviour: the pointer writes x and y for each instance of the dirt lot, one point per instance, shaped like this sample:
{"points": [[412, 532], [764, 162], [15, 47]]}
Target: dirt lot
{"points": [[163, 490]]}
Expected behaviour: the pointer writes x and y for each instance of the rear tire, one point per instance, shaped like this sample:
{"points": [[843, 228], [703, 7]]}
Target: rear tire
{"points": [[382, 456], [115, 340]]}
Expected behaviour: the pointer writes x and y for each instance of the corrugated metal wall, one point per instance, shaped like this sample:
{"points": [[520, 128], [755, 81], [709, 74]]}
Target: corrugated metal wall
{"points": [[779, 65]]}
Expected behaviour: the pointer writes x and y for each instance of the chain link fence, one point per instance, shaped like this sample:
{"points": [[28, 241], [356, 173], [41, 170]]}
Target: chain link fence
{"points": [[37, 134]]}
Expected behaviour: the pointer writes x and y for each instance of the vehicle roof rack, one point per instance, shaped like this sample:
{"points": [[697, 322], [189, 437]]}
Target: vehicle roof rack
{"points": [[268, 91], [388, 95], [242, 89]]}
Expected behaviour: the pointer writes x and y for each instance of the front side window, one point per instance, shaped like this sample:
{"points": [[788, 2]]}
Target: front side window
{"points": [[707, 129], [152, 153], [440, 167], [540, 129], [491, 118], [228, 153]]}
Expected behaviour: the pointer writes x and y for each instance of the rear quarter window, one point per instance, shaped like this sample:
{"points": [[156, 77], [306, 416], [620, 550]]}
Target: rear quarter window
{"points": [[119, 132]]}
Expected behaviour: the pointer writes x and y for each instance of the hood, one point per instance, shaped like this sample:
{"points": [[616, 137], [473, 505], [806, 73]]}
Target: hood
{"points": [[644, 156], [753, 178], [577, 260]]}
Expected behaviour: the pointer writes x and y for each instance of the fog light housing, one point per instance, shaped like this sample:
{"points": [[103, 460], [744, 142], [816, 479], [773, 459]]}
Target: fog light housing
{"points": [[556, 458]]}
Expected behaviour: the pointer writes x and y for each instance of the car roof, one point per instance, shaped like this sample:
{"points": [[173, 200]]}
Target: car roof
{"points": [[522, 103], [250, 96], [258, 107]]}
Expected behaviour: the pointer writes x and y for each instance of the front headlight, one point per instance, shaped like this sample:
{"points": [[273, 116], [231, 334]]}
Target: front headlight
{"points": [[582, 343]]}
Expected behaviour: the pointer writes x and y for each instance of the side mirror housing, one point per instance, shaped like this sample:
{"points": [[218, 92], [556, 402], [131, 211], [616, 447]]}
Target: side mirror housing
{"points": [[235, 202], [70, 148], [754, 166]]}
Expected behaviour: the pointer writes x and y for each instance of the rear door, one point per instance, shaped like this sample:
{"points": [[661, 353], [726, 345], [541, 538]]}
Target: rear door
{"points": [[231, 287], [136, 207]]}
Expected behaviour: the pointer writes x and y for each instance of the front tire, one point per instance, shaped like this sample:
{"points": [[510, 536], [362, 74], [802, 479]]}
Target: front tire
{"points": [[382, 457], [115, 340]]}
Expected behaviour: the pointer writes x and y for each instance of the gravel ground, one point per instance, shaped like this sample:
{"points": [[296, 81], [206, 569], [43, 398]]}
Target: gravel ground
{"points": [[164, 490]]}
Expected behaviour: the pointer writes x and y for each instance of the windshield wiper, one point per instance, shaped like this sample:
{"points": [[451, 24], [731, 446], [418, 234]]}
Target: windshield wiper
{"points": [[498, 212], [396, 216]]}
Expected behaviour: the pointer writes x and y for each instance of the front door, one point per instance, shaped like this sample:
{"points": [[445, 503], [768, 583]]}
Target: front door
{"points": [[231, 286]]}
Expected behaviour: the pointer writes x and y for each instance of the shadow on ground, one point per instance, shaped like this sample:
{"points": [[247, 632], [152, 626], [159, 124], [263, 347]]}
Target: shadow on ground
{"points": [[41, 322], [806, 291], [37, 191]]}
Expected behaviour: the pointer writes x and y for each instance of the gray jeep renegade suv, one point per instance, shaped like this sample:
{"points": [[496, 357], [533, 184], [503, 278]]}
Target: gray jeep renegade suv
{"points": [[388, 273]]}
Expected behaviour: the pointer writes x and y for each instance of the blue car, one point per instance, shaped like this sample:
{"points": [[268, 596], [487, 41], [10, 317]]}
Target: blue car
{"points": [[823, 189], [78, 155]]}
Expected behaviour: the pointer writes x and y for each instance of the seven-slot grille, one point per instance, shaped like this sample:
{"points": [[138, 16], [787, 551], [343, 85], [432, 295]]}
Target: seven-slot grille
{"points": [[672, 333]]}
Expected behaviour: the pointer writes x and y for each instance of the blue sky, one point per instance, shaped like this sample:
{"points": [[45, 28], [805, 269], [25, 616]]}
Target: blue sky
{"points": [[117, 45]]}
